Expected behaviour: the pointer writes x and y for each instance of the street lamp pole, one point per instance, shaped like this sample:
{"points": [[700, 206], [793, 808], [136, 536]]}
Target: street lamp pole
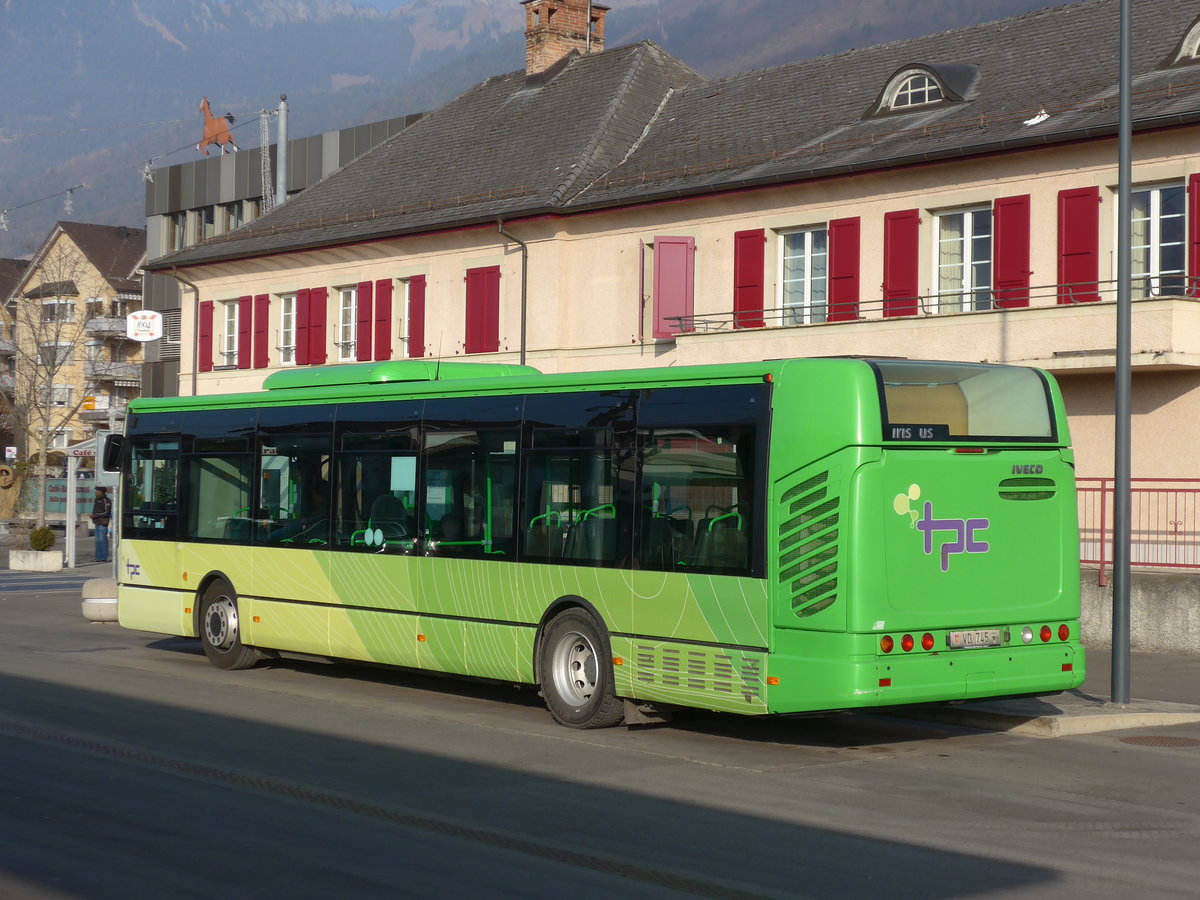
{"points": [[1122, 469]]}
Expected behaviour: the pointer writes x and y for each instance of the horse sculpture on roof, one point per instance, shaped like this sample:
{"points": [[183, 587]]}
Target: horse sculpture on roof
{"points": [[216, 130]]}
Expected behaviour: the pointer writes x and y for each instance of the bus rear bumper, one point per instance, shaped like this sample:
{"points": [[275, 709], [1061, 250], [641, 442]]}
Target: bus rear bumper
{"points": [[806, 685]]}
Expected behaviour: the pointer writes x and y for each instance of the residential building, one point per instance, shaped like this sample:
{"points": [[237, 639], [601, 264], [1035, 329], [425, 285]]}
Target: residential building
{"points": [[11, 271], [70, 366], [950, 196]]}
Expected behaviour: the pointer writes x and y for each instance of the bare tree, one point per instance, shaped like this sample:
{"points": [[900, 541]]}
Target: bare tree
{"points": [[47, 386]]}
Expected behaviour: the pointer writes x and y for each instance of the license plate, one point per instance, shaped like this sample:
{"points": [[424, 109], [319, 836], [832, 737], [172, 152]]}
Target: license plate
{"points": [[966, 640]]}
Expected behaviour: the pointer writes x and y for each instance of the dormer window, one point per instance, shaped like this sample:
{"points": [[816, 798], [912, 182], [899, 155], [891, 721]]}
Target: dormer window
{"points": [[1188, 51], [919, 86], [915, 90]]}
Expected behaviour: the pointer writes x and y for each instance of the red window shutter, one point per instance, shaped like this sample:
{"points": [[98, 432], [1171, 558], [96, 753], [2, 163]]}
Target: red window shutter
{"points": [[262, 320], [674, 284], [302, 327], [318, 309], [1193, 269], [483, 310], [901, 266], [1079, 245], [416, 317], [749, 263], [383, 319], [245, 310], [1010, 270], [844, 242], [365, 324], [204, 338]]}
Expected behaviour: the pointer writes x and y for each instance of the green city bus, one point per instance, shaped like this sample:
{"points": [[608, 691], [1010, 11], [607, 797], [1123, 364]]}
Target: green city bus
{"points": [[782, 537]]}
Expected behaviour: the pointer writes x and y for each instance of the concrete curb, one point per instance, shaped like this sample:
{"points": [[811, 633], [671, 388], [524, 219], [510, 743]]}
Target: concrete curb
{"points": [[1060, 715], [100, 600]]}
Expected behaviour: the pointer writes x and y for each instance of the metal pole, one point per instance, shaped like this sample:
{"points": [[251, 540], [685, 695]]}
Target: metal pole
{"points": [[1122, 470], [72, 522], [524, 279], [281, 153]]}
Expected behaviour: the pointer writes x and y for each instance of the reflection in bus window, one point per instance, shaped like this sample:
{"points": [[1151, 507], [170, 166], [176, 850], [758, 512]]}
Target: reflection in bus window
{"points": [[696, 502], [151, 488], [219, 476], [470, 484], [377, 492], [294, 490]]}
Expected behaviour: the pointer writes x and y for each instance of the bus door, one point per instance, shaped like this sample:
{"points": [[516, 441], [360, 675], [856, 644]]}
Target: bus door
{"points": [[467, 535]]}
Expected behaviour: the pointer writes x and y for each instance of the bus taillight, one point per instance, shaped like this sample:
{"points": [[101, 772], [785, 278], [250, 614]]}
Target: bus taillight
{"points": [[927, 641], [907, 643], [886, 644], [1045, 634], [1064, 632]]}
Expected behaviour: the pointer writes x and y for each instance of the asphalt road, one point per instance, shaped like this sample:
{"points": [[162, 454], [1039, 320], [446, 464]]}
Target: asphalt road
{"points": [[129, 767]]}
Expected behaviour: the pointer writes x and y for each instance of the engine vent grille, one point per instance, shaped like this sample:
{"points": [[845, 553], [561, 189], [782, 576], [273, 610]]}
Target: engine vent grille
{"points": [[808, 544], [700, 669]]}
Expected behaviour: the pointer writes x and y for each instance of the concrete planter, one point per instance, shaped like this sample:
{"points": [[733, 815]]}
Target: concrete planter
{"points": [[35, 560], [100, 600]]}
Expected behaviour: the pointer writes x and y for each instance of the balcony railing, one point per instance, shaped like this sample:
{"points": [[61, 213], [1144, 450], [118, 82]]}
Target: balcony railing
{"points": [[106, 326], [1164, 523], [104, 370], [1046, 296]]}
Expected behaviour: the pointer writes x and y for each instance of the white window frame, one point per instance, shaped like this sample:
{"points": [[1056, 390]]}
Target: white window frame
{"points": [[804, 299], [1148, 281], [57, 307], [56, 364], [974, 293], [287, 330], [906, 94], [60, 440], [347, 342], [56, 395], [229, 338]]}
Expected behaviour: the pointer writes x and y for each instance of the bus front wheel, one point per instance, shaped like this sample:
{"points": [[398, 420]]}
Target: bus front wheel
{"points": [[220, 634], [575, 665]]}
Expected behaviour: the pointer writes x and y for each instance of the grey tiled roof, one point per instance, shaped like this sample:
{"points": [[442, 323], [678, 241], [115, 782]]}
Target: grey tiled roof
{"points": [[636, 124], [11, 271], [115, 251]]}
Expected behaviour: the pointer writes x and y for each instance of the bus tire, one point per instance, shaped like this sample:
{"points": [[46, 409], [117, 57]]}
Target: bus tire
{"points": [[575, 666], [220, 634]]}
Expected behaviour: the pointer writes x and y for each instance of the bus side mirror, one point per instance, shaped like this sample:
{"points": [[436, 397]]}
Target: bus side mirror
{"points": [[114, 449]]}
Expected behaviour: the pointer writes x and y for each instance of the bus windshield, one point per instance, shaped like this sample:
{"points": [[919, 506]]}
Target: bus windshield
{"points": [[941, 401]]}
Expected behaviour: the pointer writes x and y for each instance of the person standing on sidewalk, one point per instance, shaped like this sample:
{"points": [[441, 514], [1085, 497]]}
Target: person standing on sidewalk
{"points": [[101, 516]]}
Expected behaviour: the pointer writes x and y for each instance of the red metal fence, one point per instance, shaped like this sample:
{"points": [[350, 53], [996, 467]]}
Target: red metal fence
{"points": [[1164, 523]]}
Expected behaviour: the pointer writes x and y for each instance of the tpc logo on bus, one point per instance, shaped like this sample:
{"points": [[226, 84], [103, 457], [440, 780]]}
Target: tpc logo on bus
{"points": [[964, 530]]}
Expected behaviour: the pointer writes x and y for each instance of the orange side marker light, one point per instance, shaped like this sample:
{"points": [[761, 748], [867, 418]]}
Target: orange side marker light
{"points": [[618, 661], [421, 638], [772, 680]]}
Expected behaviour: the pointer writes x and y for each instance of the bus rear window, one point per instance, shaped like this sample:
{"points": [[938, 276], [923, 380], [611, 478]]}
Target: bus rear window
{"points": [[924, 401]]}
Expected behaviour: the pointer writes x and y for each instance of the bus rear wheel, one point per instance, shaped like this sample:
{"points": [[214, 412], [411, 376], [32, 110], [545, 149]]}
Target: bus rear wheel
{"points": [[575, 666], [220, 634]]}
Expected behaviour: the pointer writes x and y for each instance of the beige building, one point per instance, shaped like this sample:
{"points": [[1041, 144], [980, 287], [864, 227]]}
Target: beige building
{"points": [[951, 197], [69, 366]]}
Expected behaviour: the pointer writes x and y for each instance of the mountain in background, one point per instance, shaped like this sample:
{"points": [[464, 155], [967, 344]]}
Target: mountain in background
{"points": [[99, 89]]}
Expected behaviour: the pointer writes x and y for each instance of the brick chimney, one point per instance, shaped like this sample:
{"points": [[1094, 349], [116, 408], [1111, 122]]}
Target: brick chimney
{"points": [[553, 28]]}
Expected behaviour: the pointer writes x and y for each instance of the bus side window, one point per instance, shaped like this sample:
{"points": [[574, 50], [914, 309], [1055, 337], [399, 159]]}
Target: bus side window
{"points": [[571, 498], [697, 448], [470, 488]]}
